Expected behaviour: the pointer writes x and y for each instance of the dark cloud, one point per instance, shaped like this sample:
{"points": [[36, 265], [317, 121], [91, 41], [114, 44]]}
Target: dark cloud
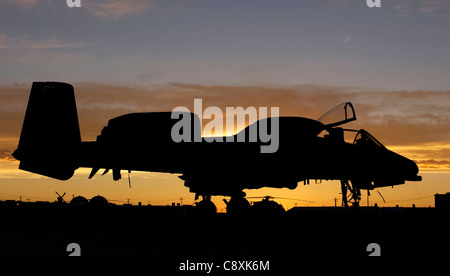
{"points": [[433, 164]]}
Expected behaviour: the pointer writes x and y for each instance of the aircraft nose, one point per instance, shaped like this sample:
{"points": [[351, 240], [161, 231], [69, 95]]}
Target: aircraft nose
{"points": [[405, 167], [411, 167], [411, 170]]}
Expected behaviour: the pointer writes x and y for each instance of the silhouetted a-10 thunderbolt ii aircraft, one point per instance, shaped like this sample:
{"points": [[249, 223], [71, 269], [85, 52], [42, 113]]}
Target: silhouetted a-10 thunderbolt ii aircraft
{"points": [[50, 145]]}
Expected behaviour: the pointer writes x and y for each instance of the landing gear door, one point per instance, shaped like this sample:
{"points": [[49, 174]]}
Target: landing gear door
{"points": [[339, 115]]}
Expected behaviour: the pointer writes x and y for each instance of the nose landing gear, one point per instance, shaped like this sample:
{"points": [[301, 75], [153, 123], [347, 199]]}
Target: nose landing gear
{"points": [[355, 194]]}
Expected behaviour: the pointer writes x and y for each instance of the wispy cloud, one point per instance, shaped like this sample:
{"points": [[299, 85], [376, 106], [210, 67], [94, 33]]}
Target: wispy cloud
{"points": [[22, 3], [117, 8], [438, 8], [431, 163], [108, 9], [432, 156], [347, 39], [7, 42]]}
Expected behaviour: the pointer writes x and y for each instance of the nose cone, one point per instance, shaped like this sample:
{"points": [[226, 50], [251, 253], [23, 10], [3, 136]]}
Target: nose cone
{"points": [[401, 167], [412, 170], [409, 169]]}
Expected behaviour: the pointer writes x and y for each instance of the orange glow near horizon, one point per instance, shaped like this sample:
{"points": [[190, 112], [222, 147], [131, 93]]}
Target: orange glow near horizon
{"points": [[164, 189], [428, 156]]}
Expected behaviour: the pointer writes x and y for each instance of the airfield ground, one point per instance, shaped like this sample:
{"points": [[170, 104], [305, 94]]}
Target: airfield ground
{"points": [[179, 233]]}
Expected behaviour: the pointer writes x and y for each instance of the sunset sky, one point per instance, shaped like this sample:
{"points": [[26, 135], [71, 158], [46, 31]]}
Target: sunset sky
{"points": [[303, 56]]}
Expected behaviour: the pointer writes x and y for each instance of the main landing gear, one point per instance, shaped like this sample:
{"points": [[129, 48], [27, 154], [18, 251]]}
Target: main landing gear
{"points": [[237, 204], [355, 193], [206, 207]]}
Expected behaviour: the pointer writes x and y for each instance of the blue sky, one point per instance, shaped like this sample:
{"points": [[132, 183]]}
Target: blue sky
{"points": [[401, 46]]}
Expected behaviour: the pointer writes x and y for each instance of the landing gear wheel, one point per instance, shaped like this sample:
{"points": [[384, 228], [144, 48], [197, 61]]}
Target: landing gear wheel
{"points": [[238, 205]]}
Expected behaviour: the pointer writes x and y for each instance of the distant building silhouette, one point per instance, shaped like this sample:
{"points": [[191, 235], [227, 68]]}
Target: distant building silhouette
{"points": [[442, 201], [79, 200], [98, 201]]}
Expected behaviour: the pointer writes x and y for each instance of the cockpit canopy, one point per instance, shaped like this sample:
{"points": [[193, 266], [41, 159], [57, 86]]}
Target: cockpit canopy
{"points": [[342, 114], [339, 115], [366, 139]]}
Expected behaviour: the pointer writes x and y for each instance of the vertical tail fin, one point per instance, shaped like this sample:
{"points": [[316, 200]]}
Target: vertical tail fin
{"points": [[50, 135]]}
